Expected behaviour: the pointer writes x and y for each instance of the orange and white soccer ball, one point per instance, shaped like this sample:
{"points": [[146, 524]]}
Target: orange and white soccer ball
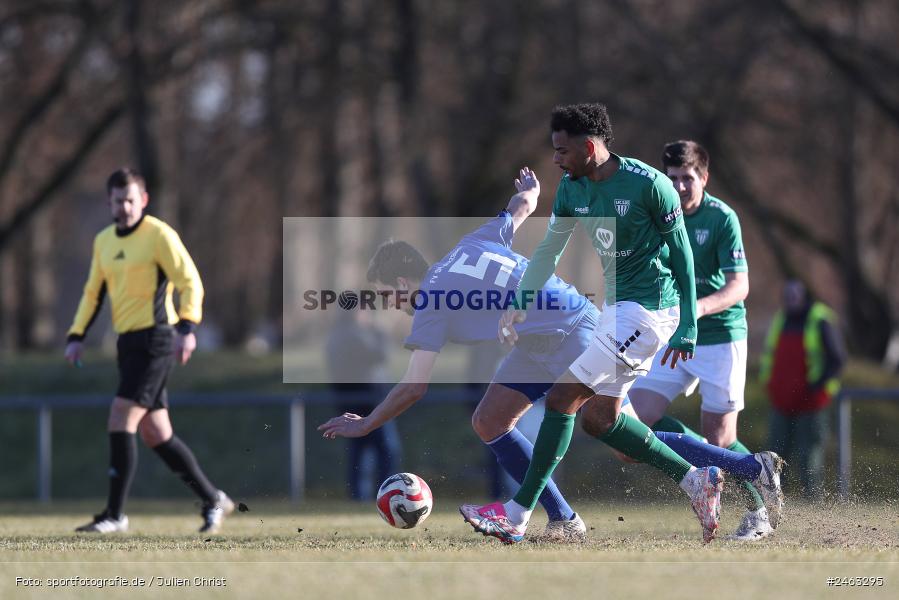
{"points": [[404, 500]]}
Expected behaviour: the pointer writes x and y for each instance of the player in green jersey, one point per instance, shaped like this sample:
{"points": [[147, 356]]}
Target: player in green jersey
{"points": [[633, 216], [722, 283]]}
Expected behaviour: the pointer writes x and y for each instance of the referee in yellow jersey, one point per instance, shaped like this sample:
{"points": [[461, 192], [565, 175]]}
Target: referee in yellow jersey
{"points": [[138, 261]]}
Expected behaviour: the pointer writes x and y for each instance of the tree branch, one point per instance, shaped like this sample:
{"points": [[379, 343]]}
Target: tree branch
{"points": [[140, 108], [43, 102], [39, 10], [822, 42], [33, 205], [159, 70]]}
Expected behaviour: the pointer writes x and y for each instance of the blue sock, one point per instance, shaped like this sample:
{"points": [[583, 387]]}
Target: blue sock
{"points": [[514, 451], [701, 454]]}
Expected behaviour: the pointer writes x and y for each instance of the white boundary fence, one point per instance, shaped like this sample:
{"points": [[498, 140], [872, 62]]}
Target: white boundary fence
{"points": [[296, 418]]}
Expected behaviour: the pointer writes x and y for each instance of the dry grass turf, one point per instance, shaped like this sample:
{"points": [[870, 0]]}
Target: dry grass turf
{"points": [[338, 550]]}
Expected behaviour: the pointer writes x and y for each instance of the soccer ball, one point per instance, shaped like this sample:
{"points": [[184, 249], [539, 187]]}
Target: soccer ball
{"points": [[404, 500]]}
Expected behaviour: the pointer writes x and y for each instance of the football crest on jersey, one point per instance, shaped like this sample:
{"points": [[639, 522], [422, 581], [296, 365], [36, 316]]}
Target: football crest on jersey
{"points": [[622, 206], [702, 236], [605, 237]]}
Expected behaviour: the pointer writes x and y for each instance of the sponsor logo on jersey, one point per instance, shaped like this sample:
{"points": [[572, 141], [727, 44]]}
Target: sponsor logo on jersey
{"points": [[120, 255], [583, 210], [670, 217], [738, 254], [605, 237], [702, 236], [622, 206], [615, 253]]}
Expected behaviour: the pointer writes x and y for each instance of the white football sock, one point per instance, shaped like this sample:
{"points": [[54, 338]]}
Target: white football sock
{"points": [[690, 482], [517, 514]]}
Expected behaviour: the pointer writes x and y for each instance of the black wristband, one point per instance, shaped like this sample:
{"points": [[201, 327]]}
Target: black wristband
{"points": [[185, 327], [74, 337]]}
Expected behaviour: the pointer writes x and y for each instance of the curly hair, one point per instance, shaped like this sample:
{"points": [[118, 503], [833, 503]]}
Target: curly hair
{"points": [[583, 119], [686, 154], [395, 259]]}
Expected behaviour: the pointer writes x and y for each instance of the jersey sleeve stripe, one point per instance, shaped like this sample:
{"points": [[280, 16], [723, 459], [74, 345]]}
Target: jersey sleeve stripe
{"points": [[100, 297]]}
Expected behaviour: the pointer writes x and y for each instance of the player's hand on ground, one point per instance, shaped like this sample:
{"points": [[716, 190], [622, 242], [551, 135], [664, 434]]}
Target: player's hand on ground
{"points": [[527, 182], [73, 353], [675, 354], [184, 347], [507, 333], [346, 425]]}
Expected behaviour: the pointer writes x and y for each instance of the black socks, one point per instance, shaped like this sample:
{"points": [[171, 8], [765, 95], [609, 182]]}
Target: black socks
{"points": [[181, 460], [122, 465]]}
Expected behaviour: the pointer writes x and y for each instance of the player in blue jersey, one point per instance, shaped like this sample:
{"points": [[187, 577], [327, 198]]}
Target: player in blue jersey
{"points": [[484, 273]]}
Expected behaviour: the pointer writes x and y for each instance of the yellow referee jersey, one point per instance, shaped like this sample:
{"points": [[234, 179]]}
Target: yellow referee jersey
{"points": [[138, 269]]}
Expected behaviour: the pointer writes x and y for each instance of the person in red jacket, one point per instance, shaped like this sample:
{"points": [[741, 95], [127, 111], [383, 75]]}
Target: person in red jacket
{"points": [[802, 360]]}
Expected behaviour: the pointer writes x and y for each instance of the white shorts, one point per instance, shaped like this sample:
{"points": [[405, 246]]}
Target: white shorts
{"points": [[624, 342], [718, 369]]}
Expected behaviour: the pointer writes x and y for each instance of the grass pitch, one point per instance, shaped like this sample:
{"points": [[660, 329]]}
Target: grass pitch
{"points": [[335, 550]]}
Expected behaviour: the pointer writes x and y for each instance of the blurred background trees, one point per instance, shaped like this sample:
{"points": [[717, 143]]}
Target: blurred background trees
{"points": [[240, 113]]}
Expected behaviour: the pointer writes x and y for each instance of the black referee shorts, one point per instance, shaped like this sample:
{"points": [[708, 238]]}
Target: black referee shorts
{"points": [[146, 358]]}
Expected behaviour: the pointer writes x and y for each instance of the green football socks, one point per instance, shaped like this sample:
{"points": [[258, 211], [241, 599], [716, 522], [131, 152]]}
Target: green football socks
{"points": [[549, 448], [633, 438]]}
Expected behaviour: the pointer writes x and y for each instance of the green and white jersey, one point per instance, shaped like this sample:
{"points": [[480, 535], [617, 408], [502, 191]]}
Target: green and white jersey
{"points": [[625, 216], [717, 243]]}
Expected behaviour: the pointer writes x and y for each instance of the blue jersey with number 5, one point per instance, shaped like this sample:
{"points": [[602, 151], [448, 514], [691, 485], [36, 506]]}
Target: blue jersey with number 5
{"points": [[463, 295]]}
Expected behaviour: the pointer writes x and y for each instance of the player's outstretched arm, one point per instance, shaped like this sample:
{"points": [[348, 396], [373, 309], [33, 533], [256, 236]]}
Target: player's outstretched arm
{"points": [[522, 204], [683, 342], [403, 395], [549, 251]]}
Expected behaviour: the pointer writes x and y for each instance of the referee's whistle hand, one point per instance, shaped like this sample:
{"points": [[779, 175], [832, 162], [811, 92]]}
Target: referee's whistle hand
{"points": [[184, 347], [73, 353]]}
